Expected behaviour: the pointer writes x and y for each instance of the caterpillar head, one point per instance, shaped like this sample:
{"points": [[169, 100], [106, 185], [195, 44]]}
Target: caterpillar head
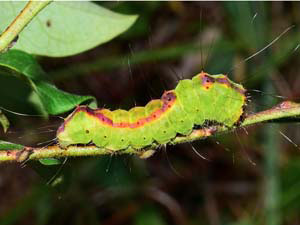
{"points": [[77, 127]]}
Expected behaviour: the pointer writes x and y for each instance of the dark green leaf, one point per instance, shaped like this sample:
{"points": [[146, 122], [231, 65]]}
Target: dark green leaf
{"points": [[4, 121], [25, 67], [149, 215], [4, 145], [50, 161]]}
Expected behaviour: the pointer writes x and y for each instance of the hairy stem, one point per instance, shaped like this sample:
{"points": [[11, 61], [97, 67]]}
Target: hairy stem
{"points": [[31, 9], [284, 111]]}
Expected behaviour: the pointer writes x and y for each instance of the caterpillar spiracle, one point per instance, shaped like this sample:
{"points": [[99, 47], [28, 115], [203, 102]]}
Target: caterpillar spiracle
{"points": [[191, 104]]}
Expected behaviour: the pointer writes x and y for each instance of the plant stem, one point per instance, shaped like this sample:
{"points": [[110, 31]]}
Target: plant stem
{"points": [[285, 110], [31, 9]]}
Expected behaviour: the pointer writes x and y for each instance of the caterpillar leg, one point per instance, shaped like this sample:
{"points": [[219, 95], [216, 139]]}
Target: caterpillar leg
{"points": [[146, 154]]}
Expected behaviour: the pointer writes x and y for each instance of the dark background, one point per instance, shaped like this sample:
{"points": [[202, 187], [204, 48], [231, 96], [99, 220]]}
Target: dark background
{"points": [[250, 176]]}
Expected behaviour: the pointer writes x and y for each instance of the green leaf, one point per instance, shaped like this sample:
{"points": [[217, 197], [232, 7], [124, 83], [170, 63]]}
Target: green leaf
{"points": [[50, 161], [4, 121], [66, 28], [4, 145], [149, 215], [25, 67]]}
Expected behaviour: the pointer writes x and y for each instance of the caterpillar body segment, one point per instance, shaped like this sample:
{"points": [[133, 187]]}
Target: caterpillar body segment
{"points": [[141, 135], [202, 100], [101, 135]]}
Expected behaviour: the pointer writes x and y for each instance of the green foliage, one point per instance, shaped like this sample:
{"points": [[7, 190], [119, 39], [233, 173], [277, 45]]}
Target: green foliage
{"points": [[4, 145], [228, 189], [65, 28], [149, 215], [50, 161], [4, 121], [24, 66]]}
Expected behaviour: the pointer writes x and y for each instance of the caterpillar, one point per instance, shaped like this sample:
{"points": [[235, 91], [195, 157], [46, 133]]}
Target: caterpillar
{"points": [[191, 104]]}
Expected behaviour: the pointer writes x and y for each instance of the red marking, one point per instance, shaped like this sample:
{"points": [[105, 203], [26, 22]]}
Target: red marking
{"points": [[168, 99], [285, 105], [242, 91], [223, 80], [62, 127], [207, 81], [103, 118], [121, 125]]}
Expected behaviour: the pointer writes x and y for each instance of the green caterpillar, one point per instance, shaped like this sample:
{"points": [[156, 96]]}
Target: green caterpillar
{"points": [[193, 103]]}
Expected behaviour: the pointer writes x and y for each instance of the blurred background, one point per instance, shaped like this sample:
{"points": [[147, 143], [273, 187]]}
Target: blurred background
{"points": [[251, 176]]}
